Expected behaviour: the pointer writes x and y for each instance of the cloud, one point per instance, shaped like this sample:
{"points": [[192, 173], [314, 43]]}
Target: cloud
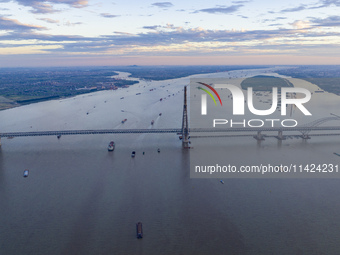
{"points": [[241, 2], [52, 21], [15, 25], [327, 3], [152, 27], [43, 7], [32, 35], [122, 33], [163, 4], [320, 4], [275, 24], [294, 9], [108, 15], [170, 34], [300, 24], [277, 18], [69, 24], [332, 21], [171, 40], [221, 9]]}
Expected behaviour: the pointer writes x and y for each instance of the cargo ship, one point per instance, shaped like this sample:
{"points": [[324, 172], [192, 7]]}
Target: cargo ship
{"points": [[139, 230], [111, 146]]}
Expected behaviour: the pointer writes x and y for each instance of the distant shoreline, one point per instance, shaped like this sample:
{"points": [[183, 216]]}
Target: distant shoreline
{"points": [[50, 84]]}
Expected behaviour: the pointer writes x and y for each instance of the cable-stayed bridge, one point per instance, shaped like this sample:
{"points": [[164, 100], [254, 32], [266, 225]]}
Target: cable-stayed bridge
{"points": [[303, 131]]}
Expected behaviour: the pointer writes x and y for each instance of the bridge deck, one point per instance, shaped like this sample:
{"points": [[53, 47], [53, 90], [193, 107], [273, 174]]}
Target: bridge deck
{"points": [[90, 132], [167, 130]]}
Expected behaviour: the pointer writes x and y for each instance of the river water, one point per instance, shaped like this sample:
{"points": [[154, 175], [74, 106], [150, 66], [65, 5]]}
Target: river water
{"points": [[81, 199]]}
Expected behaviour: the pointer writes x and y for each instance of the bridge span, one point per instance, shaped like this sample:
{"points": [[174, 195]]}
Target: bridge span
{"points": [[256, 132], [90, 132], [246, 131], [166, 130]]}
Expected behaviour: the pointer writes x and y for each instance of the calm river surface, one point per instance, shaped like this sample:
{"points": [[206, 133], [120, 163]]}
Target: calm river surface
{"points": [[81, 199]]}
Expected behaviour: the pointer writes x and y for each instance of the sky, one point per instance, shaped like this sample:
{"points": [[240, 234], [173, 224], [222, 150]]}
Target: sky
{"points": [[178, 32]]}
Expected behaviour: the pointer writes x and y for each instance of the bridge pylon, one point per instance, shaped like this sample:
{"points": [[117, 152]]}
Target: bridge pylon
{"points": [[185, 125]]}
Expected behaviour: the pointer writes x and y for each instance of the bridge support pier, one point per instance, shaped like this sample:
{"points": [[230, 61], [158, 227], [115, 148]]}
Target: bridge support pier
{"points": [[280, 136], [259, 136], [305, 137]]}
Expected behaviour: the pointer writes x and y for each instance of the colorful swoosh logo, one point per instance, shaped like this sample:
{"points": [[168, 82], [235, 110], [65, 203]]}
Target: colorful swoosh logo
{"points": [[209, 93]]}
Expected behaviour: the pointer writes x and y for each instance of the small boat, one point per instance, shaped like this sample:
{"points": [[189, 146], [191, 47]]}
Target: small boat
{"points": [[26, 173], [111, 146], [158, 150], [160, 114], [58, 136], [139, 230], [152, 122], [124, 120], [222, 181], [133, 154]]}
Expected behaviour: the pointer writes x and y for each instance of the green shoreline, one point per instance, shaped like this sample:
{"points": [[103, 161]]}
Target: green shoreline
{"points": [[13, 104]]}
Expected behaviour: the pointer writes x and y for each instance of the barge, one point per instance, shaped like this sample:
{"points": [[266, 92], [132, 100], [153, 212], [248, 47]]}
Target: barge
{"points": [[139, 230]]}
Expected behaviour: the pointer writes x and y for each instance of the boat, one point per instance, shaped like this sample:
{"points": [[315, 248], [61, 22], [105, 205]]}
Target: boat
{"points": [[26, 173], [124, 120], [111, 146], [222, 181], [133, 154], [158, 150], [139, 230], [58, 136], [160, 114], [152, 122]]}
